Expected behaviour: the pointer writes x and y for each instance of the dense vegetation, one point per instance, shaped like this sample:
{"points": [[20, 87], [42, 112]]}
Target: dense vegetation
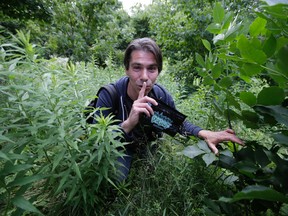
{"points": [[226, 66]]}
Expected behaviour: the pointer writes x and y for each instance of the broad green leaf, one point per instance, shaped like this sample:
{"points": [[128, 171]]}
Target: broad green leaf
{"points": [[226, 82], [250, 51], [269, 46], [250, 116], [257, 192], [24, 204], [248, 98], [281, 138], [271, 96], [192, 151], [208, 80], [216, 71], [218, 13], [214, 28], [251, 69], [261, 157], [203, 146], [282, 62], [209, 158], [258, 27], [279, 113], [206, 44]]}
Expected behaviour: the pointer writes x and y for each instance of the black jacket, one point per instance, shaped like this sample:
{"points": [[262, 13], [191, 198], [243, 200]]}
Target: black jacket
{"points": [[140, 132]]}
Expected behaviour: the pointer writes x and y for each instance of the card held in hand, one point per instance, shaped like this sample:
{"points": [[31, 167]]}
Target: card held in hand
{"points": [[166, 118]]}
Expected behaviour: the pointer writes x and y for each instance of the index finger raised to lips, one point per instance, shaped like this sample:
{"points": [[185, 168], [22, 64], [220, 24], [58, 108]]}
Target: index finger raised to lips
{"points": [[142, 91]]}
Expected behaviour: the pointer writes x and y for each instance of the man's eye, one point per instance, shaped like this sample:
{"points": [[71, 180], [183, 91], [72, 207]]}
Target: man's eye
{"points": [[152, 69], [136, 68]]}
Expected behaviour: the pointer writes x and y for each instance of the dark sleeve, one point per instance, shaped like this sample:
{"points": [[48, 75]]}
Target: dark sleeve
{"points": [[188, 129], [105, 103]]}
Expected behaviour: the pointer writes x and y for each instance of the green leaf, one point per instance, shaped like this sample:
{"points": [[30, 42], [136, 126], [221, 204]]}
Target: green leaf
{"points": [[250, 50], [5, 139], [26, 180], [57, 159], [77, 170], [248, 98], [206, 44], [258, 27], [269, 46], [281, 138], [279, 113], [24, 204], [218, 13], [250, 116], [257, 192], [214, 28], [200, 60], [203, 146], [192, 151], [271, 96], [226, 82], [208, 80], [216, 71], [11, 168], [250, 70], [209, 158], [4, 156]]}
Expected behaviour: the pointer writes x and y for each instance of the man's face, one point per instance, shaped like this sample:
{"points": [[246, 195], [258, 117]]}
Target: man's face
{"points": [[142, 68]]}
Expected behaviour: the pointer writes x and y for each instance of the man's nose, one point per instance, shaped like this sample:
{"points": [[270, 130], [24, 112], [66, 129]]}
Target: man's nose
{"points": [[144, 74]]}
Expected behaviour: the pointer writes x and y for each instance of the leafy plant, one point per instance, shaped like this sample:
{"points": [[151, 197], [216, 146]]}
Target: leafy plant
{"points": [[46, 147], [244, 52]]}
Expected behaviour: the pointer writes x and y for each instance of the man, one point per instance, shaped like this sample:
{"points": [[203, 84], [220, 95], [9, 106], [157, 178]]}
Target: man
{"points": [[137, 92]]}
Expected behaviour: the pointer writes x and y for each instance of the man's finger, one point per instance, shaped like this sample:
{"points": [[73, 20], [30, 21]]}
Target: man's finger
{"points": [[142, 91]]}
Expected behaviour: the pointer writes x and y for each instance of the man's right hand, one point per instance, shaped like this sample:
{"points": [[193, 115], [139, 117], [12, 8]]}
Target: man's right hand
{"points": [[140, 106]]}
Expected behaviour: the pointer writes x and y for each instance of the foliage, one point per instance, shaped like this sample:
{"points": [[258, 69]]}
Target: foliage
{"points": [[46, 148], [168, 184], [245, 52], [14, 13]]}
